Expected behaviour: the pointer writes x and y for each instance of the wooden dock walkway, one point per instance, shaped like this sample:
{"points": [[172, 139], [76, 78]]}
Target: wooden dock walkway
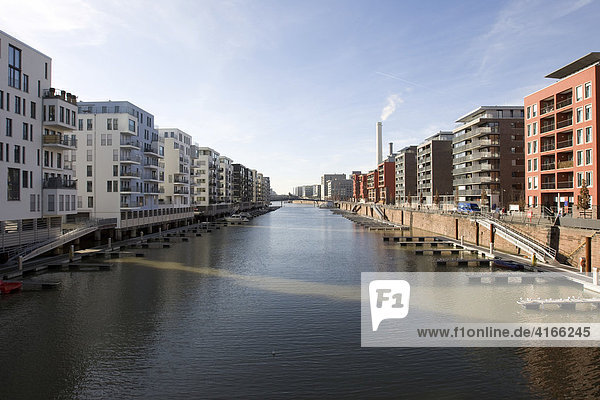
{"points": [[569, 303]]}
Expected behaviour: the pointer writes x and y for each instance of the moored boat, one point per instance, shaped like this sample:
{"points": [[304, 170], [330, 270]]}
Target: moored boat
{"points": [[236, 218], [507, 264], [10, 287]]}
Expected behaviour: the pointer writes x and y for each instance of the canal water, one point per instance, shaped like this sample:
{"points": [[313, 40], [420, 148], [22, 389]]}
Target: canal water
{"points": [[202, 320]]}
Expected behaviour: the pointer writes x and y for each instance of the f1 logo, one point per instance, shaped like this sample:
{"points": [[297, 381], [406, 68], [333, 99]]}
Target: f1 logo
{"points": [[388, 299]]}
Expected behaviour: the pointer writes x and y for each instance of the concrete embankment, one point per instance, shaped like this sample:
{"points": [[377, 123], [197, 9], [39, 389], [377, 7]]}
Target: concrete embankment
{"points": [[569, 242]]}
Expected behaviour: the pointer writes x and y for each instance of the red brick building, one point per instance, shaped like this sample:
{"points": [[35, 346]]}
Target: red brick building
{"points": [[561, 137], [373, 186], [359, 186], [386, 182]]}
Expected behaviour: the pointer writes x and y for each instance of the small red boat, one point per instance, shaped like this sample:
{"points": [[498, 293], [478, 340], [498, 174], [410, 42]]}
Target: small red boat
{"points": [[10, 287]]}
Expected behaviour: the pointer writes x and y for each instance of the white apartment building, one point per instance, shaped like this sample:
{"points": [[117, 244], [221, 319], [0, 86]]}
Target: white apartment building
{"points": [[225, 180], [175, 189], [254, 175], [205, 163], [34, 204], [119, 166]]}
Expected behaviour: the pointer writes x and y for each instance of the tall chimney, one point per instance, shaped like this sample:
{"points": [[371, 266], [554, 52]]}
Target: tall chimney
{"points": [[379, 143], [391, 148]]}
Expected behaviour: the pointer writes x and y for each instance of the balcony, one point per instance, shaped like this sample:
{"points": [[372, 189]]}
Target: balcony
{"points": [[565, 122], [564, 143], [151, 151], [548, 146], [545, 109], [61, 142], [565, 185], [563, 103], [547, 166], [130, 158], [153, 164], [58, 183], [548, 185], [130, 143], [564, 164], [547, 127], [130, 174]]}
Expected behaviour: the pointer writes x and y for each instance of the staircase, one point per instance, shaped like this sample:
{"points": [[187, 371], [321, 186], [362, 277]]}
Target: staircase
{"points": [[40, 248], [522, 241], [379, 212]]}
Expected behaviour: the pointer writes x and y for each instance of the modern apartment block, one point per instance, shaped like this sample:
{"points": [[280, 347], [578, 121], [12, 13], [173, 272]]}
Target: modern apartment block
{"points": [[242, 184], [225, 180], [562, 137], [267, 190], [328, 177], [386, 184], [434, 162], [359, 186], [205, 176], [36, 121], [406, 174], [119, 166], [339, 189], [175, 189], [373, 186], [488, 155]]}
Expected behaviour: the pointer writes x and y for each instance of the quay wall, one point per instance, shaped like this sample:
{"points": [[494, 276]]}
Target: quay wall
{"points": [[569, 242]]}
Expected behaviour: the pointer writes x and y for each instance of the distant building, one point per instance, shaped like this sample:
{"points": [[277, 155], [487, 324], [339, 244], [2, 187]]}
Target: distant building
{"points": [[175, 190], [434, 161], [488, 155], [562, 141], [406, 174], [373, 186], [205, 176], [225, 192], [359, 186], [339, 189], [329, 177], [386, 185]]}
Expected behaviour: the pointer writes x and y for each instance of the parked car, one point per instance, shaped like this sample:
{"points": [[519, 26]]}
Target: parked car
{"points": [[467, 207]]}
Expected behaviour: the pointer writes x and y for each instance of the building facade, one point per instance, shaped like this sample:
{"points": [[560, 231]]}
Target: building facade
{"points": [[434, 162], [328, 177], [206, 175], [225, 180], [386, 185], [488, 158], [175, 189], [406, 174], [561, 140]]}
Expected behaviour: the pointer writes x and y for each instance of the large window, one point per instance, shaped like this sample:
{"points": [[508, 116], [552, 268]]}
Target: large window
{"points": [[14, 184], [8, 127], [14, 67], [131, 125], [588, 90], [578, 93]]}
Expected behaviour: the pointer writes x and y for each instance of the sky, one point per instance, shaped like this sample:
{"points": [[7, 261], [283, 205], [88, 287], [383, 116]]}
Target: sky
{"points": [[294, 88]]}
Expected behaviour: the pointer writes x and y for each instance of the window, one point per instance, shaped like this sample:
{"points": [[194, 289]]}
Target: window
{"points": [[534, 128], [89, 186], [61, 202], [17, 105], [588, 112], [115, 154], [534, 110], [579, 158], [588, 90], [131, 125], [579, 139], [73, 118], [80, 125], [25, 179], [45, 70], [51, 113], [535, 182], [528, 112], [33, 110], [102, 139], [90, 202], [528, 130], [535, 164], [14, 184], [90, 139], [51, 202], [578, 93], [115, 124], [115, 170], [14, 67], [109, 139], [109, 124], [25, 131], [89, 170], [529, 181], [579, 179], [529, 165], [579, 115], [588, 134], [61, 114], [8, 127], [588, 156], [534, 147], [109, 186], [89, 124], [46, 158], [89, 155], [32, 202], [115, 186], [1, 99], [26, 83], [588, 178]]}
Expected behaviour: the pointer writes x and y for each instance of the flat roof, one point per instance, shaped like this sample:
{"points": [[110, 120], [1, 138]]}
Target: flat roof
{"points": [[467, 117], [575, 66]]}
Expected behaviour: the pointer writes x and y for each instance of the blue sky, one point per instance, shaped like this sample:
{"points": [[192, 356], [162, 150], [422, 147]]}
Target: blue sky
{"points": [[295, 88]]}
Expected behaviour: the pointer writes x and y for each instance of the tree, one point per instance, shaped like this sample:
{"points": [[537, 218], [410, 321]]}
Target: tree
{"points": [[483, 197], [583, 201], [436, 199], [522, 203], [409, 199]]}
